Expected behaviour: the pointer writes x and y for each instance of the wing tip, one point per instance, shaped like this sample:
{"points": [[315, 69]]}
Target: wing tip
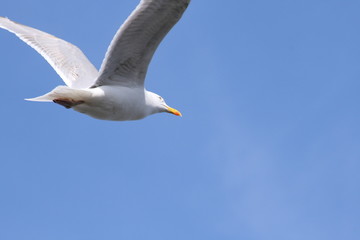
{"points": [[4, 18]]}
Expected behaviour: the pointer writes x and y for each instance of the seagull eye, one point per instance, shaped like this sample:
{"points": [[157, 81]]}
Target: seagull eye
{"points": [[160, 98]]}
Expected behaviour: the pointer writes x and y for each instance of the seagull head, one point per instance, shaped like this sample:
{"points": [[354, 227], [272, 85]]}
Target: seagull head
{"points": [[159, 105]]}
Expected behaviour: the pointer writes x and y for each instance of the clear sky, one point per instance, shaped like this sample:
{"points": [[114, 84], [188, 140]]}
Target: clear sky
{"points": [[267, 148]]}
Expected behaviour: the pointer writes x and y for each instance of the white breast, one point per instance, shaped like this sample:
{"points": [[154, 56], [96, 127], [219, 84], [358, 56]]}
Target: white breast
{"points": [[115, 103]]}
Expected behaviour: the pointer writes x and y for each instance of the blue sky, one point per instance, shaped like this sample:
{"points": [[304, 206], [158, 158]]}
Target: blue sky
{"points": [[267, 148]]}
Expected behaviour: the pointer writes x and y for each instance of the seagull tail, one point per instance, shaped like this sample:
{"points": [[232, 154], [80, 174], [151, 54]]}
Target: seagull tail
{"points": [[62, 92]]}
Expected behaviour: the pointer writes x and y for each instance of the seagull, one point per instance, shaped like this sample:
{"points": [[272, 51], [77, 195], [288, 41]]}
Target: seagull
{"points": [[116, 92]]}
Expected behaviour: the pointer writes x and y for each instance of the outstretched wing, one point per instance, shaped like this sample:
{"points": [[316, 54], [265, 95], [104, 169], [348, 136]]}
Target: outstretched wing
{"points": [[133, 46], [67, 60]]}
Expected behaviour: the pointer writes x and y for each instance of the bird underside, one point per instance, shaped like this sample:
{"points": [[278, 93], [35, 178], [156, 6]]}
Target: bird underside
{"points": [[67, 103]]}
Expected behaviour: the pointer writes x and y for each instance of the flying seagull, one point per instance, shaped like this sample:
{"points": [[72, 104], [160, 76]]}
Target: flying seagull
{"points": [[117, 91]]}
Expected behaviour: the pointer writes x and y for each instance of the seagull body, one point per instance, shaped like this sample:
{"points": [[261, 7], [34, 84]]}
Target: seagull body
{"points": [[117, 91]]}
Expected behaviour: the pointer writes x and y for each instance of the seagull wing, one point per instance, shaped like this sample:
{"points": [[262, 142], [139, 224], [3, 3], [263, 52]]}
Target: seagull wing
{"points": [[67, 60], [133, 46]]}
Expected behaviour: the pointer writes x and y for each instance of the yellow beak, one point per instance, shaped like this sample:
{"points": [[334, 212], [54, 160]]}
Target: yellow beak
{"points": [[174, 111]]}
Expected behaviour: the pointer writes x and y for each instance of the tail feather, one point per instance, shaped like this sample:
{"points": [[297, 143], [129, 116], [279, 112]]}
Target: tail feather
{"points": [[43, 98], [62, 92]]}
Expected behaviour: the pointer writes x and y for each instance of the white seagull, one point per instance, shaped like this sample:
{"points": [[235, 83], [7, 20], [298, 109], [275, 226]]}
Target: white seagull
{"points": [[117, 91]]}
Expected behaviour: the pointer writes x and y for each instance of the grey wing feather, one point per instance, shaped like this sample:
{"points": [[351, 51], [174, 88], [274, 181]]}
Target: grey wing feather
{"points": [[66, 59], [134, 44]]}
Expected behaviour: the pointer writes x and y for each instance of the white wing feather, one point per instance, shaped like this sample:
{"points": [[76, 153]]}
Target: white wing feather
{"points": [[133, 46], [66, 59]]}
